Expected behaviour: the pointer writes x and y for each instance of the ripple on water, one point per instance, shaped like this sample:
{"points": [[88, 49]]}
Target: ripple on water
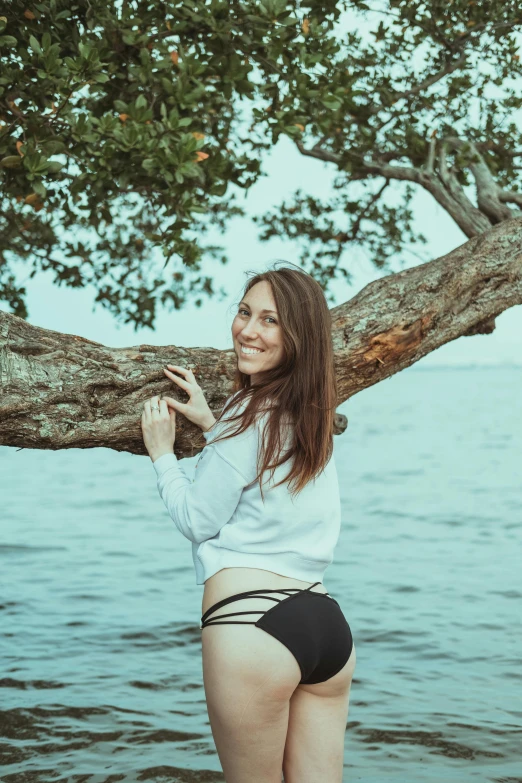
{"points": [[13, 549], [435, 740], [60, 730], [22, 685]]}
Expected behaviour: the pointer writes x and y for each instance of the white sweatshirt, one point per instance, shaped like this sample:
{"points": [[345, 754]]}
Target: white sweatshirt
{"points": [[221, 511]]}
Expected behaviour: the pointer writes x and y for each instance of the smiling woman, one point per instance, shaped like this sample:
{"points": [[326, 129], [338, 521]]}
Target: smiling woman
{"points": [[282, 667]]}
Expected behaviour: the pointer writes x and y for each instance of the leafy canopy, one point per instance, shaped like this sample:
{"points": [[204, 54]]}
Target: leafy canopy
{"points": [[127, 130]]}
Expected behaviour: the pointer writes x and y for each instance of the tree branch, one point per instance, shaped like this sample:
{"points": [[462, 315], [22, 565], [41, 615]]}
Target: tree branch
{"points": [[318, 152], [362, 214], [445, 188], [511, 196], [489, 146], [436, 77], [396, 320], [63, 391], [431, 153], [488, 191], [377, 166], [443, 164]]}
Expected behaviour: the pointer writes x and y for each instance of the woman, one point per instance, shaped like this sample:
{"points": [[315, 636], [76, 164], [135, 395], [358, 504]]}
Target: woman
{"points": [[277, 667]]}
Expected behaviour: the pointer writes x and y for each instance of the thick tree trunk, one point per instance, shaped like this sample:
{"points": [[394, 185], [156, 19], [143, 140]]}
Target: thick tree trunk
{"points": [[395, 321], [62, 391]]}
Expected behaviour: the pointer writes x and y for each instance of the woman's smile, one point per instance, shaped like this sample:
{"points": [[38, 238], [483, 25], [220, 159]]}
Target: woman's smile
{"points": [[250, 351]]}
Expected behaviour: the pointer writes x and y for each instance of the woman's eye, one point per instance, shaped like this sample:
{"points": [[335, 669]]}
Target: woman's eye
{"points": [[268, 316]]}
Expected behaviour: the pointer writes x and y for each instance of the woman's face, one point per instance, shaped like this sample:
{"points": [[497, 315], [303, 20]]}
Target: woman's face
{"points": [[256, 325]]}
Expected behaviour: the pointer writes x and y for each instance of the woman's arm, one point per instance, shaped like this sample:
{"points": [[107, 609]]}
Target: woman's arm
{"points": [[201, 507]]}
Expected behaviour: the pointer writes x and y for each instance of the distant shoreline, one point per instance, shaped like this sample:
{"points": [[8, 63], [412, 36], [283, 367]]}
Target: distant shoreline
{"points": [[462, 367]]}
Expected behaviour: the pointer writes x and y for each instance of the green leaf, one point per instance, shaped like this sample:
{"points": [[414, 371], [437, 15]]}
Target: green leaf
{"points": [[11, 162], [331, 103], [288, 21], [220, 189], [8, 40], [53, 146], [54, 166], [72, 65], [84, 50], [39, 188]]}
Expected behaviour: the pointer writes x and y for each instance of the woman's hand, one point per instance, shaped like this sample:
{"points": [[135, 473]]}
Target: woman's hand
{"points": [[158, 424], [196, 409]]}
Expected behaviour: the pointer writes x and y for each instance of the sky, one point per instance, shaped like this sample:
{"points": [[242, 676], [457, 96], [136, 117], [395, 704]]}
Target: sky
{"points": [[74, 311]]}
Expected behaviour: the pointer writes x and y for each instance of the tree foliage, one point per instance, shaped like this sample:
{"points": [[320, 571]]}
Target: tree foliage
{"points": [[127, 130]]}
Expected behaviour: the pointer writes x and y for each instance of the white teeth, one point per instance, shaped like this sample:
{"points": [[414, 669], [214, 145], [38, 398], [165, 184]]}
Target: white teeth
{"points": [[250, 350]]}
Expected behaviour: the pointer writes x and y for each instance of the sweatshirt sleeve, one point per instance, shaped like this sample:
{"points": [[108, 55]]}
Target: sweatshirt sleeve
{"points": [[201, 507]]}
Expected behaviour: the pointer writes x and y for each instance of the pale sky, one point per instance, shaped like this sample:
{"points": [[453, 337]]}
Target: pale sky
{"points": [[68, 310]]}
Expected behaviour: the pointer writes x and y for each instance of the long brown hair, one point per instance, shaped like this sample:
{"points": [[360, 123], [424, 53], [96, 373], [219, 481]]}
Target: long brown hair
{"points": [[303, 387]]}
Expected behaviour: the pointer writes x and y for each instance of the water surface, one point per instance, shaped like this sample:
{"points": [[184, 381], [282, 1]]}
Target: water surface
{"points": [[100, 646]]}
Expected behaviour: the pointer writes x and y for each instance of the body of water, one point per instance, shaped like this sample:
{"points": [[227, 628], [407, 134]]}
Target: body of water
{"points": [[100, 646]]}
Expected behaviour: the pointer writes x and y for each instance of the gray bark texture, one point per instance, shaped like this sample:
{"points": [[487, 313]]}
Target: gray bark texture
{"points": [[61, 391]]}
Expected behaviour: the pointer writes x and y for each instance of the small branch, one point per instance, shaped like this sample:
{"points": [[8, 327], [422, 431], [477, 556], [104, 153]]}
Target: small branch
{"points": [[510, 196], [488, 191], [487, 146], [448, 68], [320, 154], [318, 145], [360, 217], [381, 168], [443, 164], [445, 188], [431, 153]]}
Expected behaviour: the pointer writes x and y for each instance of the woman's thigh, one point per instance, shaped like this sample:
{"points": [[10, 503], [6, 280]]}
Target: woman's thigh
{"points": [[316, 729], [249, 678]]}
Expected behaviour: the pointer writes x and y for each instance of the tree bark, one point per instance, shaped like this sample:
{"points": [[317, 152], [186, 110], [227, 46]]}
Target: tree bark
{"points": [[63, 391]]}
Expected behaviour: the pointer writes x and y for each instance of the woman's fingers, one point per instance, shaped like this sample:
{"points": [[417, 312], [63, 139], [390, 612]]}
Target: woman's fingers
{"points": [[180, 381], [174, 377], [184, 370], [175, 404], [178, 368], [171, 412]]}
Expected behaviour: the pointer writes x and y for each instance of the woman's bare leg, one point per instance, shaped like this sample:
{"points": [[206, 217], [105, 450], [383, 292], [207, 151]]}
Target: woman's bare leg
{"points": [[316, 729], [249, 678]]}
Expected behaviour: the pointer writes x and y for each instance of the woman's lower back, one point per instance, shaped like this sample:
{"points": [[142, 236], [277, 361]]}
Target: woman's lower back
{"points": [[229, 581]]}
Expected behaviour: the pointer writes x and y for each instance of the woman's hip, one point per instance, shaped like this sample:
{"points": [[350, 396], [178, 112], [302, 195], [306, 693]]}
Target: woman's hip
{"points": [[307, 621]]}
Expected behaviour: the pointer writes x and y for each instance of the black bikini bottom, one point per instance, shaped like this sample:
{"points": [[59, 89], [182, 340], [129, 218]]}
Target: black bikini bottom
{"points": [[310, 624]]}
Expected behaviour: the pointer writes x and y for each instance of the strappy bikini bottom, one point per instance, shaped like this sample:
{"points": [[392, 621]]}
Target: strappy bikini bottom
{"points": [[310, 624]]}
